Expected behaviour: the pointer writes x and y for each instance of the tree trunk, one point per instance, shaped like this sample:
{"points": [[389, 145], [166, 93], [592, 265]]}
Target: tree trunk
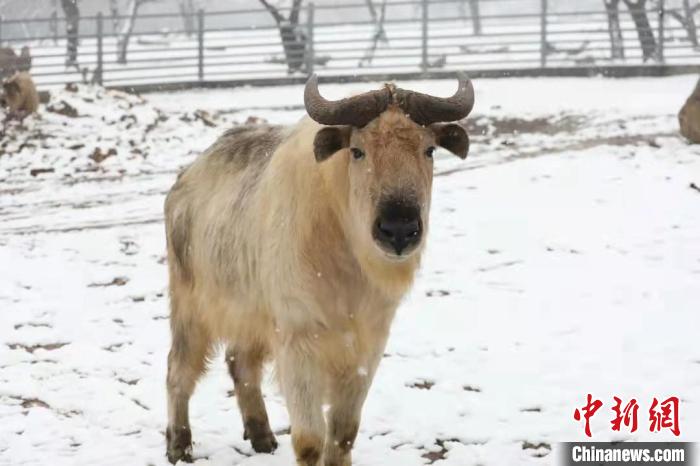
{"points": [[53, 23], [70, 10], [126, 29], [114, 13], [379, 32], [690, 28], [476, 16], [617, 46], [644, 32], [293, 38], [187, 10]]}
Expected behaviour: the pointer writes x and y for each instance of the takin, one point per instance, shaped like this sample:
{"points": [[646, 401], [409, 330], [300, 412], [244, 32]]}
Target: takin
{"points": [[20, 95], [297, 244], [11, 63], [689, 116]]}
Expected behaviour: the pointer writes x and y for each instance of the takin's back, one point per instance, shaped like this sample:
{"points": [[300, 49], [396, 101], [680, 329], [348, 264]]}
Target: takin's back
{"points": [[208, 209]]}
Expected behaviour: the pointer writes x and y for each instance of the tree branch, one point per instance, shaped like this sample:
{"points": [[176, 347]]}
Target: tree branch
{"points": [[372, 10], [273, 11], [294, 14], [675, 14]]}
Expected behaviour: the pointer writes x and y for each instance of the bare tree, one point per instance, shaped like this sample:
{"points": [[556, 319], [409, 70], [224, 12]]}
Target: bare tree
{"points": [[617, 46], [474, 14], [377, 18], [644, 32], [293, 38], [53, 22], [379, 32], [72, 13], [187, 11], [127, 28], [114, 14], [687, 20]]}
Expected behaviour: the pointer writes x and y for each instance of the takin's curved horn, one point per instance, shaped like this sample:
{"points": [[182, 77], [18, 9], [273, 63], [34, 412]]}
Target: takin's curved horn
{"points": [[355, 111], [426, 109]]}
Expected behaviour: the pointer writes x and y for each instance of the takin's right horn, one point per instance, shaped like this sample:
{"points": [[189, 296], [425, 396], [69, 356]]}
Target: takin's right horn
{"points": [[355, 111]]}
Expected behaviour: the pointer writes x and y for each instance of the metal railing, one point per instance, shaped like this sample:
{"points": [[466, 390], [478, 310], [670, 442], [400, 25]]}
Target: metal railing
{"points": [[417, 38]]}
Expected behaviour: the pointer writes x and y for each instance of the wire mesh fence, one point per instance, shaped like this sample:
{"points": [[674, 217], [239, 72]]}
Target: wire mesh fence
{"points": [[342, 40]]}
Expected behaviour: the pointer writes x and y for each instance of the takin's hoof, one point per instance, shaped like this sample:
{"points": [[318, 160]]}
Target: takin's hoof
{"points": [[261, 437], [266, 444], [179, 445]]}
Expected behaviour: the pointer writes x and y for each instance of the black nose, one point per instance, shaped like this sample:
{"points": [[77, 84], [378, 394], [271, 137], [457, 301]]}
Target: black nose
{"points": [[398, 226]]}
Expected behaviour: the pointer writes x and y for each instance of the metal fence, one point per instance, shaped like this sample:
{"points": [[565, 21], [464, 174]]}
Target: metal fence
{"points": [[339, 42]]}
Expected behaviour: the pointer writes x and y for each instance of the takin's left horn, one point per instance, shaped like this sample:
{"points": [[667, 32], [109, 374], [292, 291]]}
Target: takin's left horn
{"points": [[426, 109]]}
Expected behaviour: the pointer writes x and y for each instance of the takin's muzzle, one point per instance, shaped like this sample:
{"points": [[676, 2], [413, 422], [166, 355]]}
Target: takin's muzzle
{"points": [[398, 227]]}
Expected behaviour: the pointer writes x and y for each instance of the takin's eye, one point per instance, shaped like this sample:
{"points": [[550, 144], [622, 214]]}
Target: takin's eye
{"points": [[357, 154], [429, 152]]}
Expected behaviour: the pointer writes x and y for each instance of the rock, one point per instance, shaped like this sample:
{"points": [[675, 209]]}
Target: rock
{"points": [[44, 97], [254, 120], [689, 116], [99, 156], [39, 171], [63, 108], [205, 117]]}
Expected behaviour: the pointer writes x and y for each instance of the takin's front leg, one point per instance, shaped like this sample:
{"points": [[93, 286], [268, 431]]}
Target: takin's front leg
{"points": [[347, 392], [245, 366], [302, 386]]}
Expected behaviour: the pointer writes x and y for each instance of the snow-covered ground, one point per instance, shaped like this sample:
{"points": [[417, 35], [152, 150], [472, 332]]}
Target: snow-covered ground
{"points": [[564, 259]]}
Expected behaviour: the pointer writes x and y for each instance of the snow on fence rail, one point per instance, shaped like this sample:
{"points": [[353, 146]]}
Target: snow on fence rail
{"points": [[338, 41]]}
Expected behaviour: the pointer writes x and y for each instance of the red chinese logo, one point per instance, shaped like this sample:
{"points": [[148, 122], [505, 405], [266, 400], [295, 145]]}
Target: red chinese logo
{"points": [[626, 416], [666, 417], [588, 411], [662, 415]]}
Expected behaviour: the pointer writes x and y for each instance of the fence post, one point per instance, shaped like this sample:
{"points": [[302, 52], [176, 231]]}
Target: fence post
{"points": [[54, 26], [310, 39], [543, 34], [424, 36], [662, 14], [200, 44], [99, 70]]}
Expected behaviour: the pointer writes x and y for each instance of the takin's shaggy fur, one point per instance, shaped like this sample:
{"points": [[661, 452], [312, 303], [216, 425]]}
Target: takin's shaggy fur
{"points": [[11, 63], [689, 116], [20, 95], [270, 251]]}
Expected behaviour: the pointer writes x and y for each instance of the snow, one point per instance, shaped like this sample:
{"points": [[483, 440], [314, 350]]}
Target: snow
{"points": [[563, 260]]}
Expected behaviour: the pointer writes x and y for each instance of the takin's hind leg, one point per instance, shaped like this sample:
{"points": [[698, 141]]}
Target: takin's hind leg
{"points": [[245, 364], [186, 363]]}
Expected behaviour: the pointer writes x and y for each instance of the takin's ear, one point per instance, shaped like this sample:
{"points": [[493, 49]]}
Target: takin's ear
{"points": [[452, 137], [330, 140]]}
